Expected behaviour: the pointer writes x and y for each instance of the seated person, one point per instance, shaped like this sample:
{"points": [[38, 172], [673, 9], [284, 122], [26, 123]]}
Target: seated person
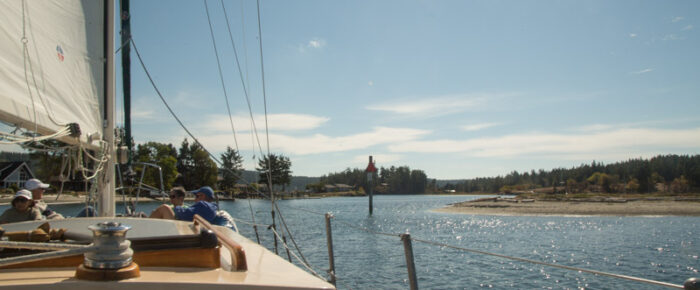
{"points": [[203, 206], [37, 188], [22, 209], [177, 196]]}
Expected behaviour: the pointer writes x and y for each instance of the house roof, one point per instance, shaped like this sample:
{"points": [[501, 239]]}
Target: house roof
{"points": [[7, 168]]}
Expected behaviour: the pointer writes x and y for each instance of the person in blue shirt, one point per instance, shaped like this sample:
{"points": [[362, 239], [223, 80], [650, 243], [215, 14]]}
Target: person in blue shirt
{"points": [[203, 206]]}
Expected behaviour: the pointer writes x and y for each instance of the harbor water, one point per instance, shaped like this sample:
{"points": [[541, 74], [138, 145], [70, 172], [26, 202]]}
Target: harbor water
{"points": [[369, 253]]}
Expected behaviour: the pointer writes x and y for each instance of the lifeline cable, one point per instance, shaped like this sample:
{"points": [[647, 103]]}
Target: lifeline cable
{"points": [[221, 74]]}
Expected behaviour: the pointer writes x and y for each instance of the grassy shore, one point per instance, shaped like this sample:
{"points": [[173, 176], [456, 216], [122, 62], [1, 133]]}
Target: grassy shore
{"points": [[582, 205]]}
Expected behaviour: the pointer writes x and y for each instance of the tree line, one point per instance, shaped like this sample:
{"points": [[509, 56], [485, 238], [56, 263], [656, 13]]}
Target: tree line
{"points": [[666, 173], [189, 166], [392, 180], [192, 167]]}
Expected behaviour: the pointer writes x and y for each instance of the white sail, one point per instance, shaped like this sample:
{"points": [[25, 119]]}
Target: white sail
{"points": [[52, 65]]}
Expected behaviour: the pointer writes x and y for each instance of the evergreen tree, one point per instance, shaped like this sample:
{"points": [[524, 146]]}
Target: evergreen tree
{"points": [[195, 166], [281, 170], [163, 155], [232, 164]]}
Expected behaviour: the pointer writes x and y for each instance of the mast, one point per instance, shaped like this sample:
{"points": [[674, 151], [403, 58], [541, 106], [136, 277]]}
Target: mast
{"points": [[126, 75], [106, 181]]}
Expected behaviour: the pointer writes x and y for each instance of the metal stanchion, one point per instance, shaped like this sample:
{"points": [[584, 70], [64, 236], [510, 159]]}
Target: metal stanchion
{"points": [[329, 240], [408, 249], [284, 239]]}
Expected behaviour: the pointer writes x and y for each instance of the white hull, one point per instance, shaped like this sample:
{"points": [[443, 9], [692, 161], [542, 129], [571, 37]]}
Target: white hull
{"points": [[265, 269]]}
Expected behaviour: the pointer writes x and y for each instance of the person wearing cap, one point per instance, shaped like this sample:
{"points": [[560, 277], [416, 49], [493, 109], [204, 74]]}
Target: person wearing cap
{"points": [[37, 188], [22, 209], [203, 206]]}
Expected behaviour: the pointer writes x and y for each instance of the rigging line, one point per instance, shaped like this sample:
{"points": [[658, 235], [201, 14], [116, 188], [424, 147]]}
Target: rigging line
{"points": [[133, 43], [221, 74], [240, 74], [303, 209], [150, 78], [267, 131], [254, 130], [306, 265], [632, 278], [245, 47], [249, 223], [252, 216], [284, 223], [14, 139], [366, 229]]}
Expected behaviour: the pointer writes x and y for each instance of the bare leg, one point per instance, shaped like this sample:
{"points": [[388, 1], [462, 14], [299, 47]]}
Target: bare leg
{"points": [[163, 212]]}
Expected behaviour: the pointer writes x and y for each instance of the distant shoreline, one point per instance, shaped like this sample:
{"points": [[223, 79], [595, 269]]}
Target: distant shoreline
{"points": [[613, 207]]}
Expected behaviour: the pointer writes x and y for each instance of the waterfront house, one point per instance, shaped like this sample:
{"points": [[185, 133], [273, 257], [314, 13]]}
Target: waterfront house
{"points": [[17, 173]]}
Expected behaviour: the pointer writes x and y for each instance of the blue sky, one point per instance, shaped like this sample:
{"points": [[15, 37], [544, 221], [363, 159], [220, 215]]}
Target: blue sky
{"points": [[459, 89]]}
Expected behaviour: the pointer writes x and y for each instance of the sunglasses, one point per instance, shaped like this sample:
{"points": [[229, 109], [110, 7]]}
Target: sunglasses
{"points": [[172, 196], [21, 200]]}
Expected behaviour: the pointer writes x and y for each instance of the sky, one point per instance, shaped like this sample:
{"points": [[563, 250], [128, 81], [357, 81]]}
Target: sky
{"points": [[458, 89]]}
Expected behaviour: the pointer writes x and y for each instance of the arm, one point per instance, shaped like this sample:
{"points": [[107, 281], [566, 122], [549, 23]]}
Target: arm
{"points": [[3, 217], [35, 214], [204, 209], [184, 213]]}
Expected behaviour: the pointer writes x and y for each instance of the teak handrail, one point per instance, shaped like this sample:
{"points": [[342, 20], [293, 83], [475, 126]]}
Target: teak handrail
{"points": [[238, 259]]}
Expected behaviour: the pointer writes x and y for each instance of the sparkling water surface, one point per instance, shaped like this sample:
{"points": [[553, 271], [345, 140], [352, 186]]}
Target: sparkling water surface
{"points": [[658, 248]]}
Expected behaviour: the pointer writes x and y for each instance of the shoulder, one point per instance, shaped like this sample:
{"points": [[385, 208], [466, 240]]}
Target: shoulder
{"points": [[35, 212], [204, 204], [8, 211], [40, 204]]}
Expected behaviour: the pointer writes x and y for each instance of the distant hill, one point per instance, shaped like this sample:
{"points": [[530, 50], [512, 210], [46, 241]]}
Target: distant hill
{"points": [[297, 183], [441, 183]]}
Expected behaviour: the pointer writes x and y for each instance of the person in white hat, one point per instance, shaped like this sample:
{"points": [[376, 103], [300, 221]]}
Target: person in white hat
{"points": [[22, 209], [37, 189]]}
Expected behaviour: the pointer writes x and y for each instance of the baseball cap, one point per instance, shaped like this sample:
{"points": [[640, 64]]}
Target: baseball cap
{"points": [[34, 183], [206, 190], [23, 193]]}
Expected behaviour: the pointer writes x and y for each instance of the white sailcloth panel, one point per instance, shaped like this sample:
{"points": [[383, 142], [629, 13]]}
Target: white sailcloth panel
{"points": [[60, 78]]}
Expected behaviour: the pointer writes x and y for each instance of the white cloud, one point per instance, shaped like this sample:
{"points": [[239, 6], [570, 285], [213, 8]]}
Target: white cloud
{"points": [[435, 106], [316, 43], [677, 18], [642, 71], [618, 142], [594, 127], [633, 35], [276, 122], [672, 37], [370, 83], [476, 127], [143, 114], [318, 143], [688, 27]]}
